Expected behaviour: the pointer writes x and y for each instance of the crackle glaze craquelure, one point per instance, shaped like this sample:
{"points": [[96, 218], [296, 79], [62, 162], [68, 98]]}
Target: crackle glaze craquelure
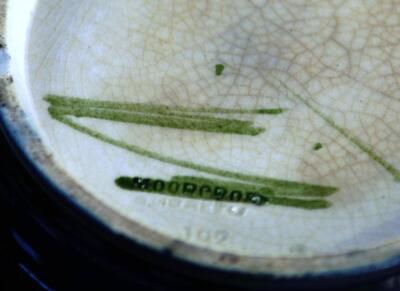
{"points": [[265, 129]]}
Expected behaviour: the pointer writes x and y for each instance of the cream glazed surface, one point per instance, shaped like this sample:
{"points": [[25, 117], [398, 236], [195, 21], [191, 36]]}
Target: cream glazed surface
{"points": [[258, 128]]}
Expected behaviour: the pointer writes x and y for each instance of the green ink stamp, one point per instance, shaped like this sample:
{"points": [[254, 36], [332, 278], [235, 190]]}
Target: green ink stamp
{"points": [[218, 190]]}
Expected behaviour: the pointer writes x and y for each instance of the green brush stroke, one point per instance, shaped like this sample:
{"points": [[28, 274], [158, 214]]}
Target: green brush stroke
{"points": [[272, 111], [280, 187], [351, 138], [304, 189], [190, 122], [299, 203], [56, 100], [207, 189]]}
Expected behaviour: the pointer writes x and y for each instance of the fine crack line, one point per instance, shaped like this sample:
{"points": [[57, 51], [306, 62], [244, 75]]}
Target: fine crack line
{"points": [[390, 168]]}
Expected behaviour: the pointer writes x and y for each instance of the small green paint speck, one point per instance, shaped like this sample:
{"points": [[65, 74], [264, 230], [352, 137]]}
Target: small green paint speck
{"points": [[219, 69], [317, 146]]}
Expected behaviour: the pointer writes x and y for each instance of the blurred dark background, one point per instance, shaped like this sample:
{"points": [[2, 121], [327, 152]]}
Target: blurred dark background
{"points": [[34, 255]]}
